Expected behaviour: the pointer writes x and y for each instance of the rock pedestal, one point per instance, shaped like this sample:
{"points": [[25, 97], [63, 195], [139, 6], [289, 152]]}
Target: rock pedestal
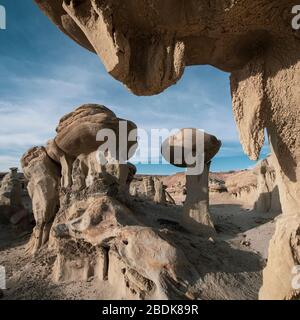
{"points": [[179, 148], [196, 216]]}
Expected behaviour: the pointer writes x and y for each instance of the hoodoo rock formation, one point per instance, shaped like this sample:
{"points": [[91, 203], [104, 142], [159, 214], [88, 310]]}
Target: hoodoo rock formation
{"points": [[155, 190], [10, 193], [267, 190], [15, 205], [43, 188], [129, 248], [147, 44], [80, 208], [181, 147]]}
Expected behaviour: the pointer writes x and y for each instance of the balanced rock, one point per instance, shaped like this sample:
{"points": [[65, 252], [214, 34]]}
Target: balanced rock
{"points": [[190, 144]]}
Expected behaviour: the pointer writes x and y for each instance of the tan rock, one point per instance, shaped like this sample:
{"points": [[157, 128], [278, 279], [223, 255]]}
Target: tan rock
{"points": [[77, 131], [262, 55], [10, 194], [180, 146], [267, 189], [43, 187], [160, 194], [105, 241], [64, 160], [176, 149], [149, 188]]}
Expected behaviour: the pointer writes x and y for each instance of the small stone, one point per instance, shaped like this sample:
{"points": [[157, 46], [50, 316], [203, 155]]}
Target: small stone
{"points": [[245, 243], [211, 240]]}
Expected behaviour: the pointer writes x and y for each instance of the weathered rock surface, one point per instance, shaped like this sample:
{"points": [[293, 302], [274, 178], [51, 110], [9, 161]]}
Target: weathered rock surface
{"points": [[15, 206], [243, 185], [135, 248], [77, 131], [43, 188], [257, 187], [83, 204], [146, 45], [267, 189], [194, 150], [153, 189], [10, 194]]}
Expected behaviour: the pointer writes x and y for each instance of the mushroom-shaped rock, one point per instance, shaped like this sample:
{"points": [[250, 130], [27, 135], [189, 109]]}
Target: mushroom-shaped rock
{"points": [[185, 149], [77, 132], [80, 134], [44, 177]]}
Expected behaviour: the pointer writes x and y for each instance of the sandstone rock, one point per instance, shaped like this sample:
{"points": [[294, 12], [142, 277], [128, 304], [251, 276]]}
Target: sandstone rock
{"points": [[147, 44], [43, 187], [177, 149], [257, 187], [278, 275], [169, 198], [149, 188], [77, 131], [268, 194], [160, 194], [154, 190], [11, 193], [196, 216], [93, 232], [14, 205], [64, 160], [216, 185], [262, 55], [243, 186], [106, 242]]}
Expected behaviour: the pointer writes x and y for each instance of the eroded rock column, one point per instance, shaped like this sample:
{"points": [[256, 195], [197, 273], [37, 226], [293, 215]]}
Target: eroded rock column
{"points": [[266, 95], [177, 150], [43, 188]]}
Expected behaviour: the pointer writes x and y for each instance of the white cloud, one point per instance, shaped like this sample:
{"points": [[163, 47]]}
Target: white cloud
{"points": [[30, 117], [8, 162]]}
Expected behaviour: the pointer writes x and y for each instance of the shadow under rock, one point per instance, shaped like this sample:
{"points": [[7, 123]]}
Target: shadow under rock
{"points": [[215, 259], [232, 219]]}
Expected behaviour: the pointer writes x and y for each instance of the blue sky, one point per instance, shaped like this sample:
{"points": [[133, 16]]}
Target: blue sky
{"points": [[43, 75]]}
